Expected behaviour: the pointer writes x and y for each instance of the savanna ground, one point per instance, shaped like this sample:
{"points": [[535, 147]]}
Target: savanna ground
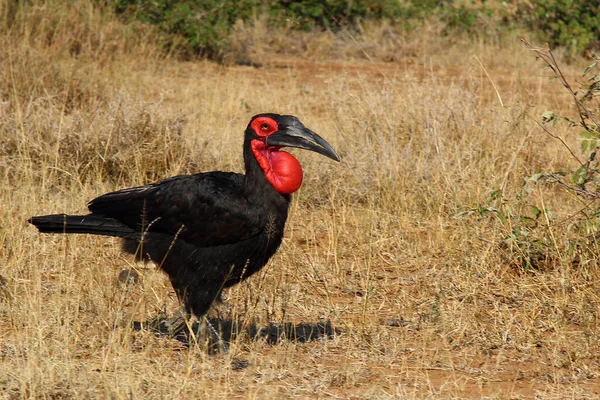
{"points": [[427, 301]]}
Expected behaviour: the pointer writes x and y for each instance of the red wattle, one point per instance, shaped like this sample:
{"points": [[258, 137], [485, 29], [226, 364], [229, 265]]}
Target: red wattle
{"points": [[286, 172], [281, 169]]}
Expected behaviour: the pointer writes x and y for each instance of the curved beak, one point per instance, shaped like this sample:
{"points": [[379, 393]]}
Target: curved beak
{"points": [[302, 138]]}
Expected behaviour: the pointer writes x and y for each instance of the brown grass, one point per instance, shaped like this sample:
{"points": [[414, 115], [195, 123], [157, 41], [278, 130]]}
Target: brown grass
{"points": [[427, 304]]}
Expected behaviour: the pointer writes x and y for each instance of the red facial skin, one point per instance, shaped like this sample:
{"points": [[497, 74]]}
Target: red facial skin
{"points": [[282, 169]]}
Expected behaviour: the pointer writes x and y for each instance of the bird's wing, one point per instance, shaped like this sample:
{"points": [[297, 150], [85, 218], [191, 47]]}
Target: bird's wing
{"points": [[205, 210]]}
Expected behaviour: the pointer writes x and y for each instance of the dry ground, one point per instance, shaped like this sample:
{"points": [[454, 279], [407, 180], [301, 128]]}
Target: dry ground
{"points": [[426, 304]]}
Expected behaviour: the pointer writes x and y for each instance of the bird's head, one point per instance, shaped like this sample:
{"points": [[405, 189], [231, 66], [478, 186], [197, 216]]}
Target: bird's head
{"points": [[268, 133]]}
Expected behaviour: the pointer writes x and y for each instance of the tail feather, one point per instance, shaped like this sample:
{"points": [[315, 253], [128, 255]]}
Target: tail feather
{"points": [[92, 224]]}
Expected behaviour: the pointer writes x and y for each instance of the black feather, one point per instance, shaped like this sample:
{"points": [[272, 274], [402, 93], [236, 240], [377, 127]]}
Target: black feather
{"points": [[63, 223]]}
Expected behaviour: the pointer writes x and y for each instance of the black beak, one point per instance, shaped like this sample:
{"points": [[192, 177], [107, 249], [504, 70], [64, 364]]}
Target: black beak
{"points": [[303, 138]]}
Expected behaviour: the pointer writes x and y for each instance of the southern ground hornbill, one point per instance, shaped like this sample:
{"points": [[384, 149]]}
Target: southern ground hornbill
{"points": [[211, 230]]}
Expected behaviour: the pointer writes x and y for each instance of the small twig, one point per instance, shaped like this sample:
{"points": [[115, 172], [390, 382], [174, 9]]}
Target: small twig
{"points": [[573, 188], [491, 81], [559, 139], [580, 211]]}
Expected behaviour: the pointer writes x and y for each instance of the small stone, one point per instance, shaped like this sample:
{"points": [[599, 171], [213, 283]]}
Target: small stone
{"points": [[352, 292], [237, 364], [129, 276], [396, 322]]}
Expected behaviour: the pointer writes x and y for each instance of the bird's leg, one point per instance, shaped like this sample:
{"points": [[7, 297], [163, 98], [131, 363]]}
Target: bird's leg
{"points": [[216, 336], [197, 301], [167, 326], [180, 322], [177, 323]]}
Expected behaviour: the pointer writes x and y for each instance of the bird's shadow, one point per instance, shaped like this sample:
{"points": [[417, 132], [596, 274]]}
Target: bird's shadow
{"points": [[227, 330]]}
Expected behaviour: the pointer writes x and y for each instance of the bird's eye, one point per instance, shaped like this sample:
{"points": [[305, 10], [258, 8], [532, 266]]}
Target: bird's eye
{"points": [[265, 127]]}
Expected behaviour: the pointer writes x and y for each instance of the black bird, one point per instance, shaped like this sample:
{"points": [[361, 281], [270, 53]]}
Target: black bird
{"points": [[211, 230]]}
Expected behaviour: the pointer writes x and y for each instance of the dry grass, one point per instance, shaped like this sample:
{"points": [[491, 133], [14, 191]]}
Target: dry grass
{"points": [[427, 305]]}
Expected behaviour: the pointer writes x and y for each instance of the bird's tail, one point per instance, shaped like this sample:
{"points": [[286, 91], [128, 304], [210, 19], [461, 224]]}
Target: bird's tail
{"points": [[91, 224]]}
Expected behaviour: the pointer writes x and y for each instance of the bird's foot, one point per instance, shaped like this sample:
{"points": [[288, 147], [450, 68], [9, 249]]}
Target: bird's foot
{"points": [[175, 326], [179, 327]]}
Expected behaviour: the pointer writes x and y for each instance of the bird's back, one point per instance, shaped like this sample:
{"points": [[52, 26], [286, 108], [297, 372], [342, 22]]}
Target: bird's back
{"points": [[207, 209]]}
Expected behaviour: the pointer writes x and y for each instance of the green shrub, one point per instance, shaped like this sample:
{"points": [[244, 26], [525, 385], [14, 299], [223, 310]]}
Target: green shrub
{"points": [[203, 28], [193, 28], [573, 24], [330, 14]]}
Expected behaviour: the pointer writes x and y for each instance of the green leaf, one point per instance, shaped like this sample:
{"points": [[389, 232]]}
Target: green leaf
{"points": [[589, 68], [588, 134], [550, 214], [494, 195], [535, 177], [584, 145], [548, 116], [464, 213], [580, 176], [536, 211]]}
